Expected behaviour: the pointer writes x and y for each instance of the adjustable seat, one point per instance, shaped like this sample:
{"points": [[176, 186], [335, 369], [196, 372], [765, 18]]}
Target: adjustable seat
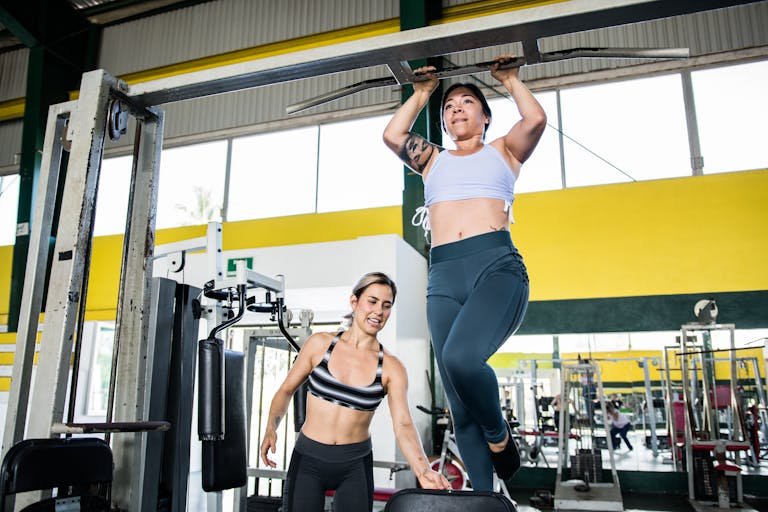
{"points": [[79, 468]]}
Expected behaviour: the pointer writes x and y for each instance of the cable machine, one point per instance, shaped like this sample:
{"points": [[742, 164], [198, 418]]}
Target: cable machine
{"points": [[711, 454], [585, 488]]}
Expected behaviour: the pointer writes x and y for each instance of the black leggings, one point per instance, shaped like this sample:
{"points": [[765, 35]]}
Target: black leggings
{"points": [[316, 468]]}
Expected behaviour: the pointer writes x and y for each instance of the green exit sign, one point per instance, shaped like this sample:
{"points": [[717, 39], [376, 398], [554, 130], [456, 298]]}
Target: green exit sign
{"points": [[232, 266]]}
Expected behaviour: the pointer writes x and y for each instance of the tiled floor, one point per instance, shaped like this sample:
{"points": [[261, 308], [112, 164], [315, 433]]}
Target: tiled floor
{"points": [[637, 503], [641, 458]]}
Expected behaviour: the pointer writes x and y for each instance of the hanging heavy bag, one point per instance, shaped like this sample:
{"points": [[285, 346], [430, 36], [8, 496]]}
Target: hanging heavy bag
{"points": [[429, 500]]}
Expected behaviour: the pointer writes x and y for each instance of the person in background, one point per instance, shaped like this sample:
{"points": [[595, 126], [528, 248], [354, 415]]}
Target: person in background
{"points": [[620, 425]]}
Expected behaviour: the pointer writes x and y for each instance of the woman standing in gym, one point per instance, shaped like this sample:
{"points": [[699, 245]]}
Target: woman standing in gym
{"points": [[349, 374], [477, 292]]}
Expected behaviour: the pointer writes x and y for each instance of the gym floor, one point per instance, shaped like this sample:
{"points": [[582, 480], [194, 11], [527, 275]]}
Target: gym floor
{"points": [[639, 459], [636, 503]]}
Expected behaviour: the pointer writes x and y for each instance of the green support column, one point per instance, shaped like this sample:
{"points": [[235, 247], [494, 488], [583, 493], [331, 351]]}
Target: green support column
{"points": [[62, 46], [417, 14]]}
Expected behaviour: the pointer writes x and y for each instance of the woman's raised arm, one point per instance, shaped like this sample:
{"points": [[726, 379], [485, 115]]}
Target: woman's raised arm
{"points": [[413, 149], [521, 140]]}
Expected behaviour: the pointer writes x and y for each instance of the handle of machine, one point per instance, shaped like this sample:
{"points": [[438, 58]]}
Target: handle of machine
{"points": [[432, 412], [241, 291], [280, 310]]}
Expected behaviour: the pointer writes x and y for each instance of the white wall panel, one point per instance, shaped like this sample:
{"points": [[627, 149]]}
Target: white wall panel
{"points": [[13, 74]]}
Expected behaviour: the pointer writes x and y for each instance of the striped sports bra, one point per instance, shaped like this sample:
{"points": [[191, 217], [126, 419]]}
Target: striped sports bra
{"points": [[324, 385]]}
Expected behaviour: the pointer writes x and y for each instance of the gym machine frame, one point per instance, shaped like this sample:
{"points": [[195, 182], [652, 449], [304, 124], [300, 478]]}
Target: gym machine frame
{"points": [[710, 438], [598, 496]]}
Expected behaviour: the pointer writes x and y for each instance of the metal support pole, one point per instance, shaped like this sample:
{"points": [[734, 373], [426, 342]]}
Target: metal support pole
{"points": [[73, 243], [697, 161], [671, 432], [32, 297], [738, 432], [87, 128], [687, 403], [181, 389], [560, 139], [159, 355], [132, 325], [649, 407], [762, 404]]}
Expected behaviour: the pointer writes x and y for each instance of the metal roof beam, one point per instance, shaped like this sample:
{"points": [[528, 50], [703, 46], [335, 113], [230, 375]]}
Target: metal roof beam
{"points": [[519, 25]]}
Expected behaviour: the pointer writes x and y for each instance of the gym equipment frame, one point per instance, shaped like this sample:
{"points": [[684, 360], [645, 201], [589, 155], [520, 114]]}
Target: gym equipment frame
{"points": [[708, 438], [102, 110], [596, 495]]}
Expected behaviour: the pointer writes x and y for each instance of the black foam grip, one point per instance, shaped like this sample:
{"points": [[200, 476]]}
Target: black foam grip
{"points": [[210, 419], [224, 462], [300, 406]]}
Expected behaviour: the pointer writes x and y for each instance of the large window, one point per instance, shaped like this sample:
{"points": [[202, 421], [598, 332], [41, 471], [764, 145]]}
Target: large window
{"points": [[273, 174], [634, 128], [191, 184], [112, 198], [542, 170], [612, 132], [101, 366], [9, 201], [731, 109], [356, 170]]}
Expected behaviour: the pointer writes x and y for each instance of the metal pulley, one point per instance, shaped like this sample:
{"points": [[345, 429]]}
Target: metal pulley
{"points": [[117, 119]]}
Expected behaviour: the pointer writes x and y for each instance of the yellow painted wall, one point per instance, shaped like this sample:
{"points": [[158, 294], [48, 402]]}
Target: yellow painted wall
{"points": [[296, 229], [6, 260], [673, 236], [614, 368], [662, 237]]}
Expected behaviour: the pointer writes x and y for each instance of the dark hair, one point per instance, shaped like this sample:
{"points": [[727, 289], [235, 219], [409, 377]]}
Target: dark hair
{"points": [[477, 93], [369, 279]]}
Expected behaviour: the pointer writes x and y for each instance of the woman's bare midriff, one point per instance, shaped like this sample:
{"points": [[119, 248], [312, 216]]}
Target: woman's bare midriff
{"points": [[452, 221], [334, 424]]}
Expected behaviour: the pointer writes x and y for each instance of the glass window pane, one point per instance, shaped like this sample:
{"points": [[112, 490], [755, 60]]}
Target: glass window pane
{"points": [[273, 174], [731, 108], [528, 344], [356, 169], [191, 184], [101, 365], [542, 170], [637, 125], [112, 199], [9, 204]]}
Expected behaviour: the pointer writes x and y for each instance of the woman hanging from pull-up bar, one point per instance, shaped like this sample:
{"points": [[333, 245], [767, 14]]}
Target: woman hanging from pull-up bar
{"points": [[477, 291]]}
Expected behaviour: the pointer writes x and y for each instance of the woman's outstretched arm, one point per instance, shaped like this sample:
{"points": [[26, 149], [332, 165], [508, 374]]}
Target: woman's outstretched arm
{"points": [[413, 149], [302, 367], [405, 432], [521, 140]]}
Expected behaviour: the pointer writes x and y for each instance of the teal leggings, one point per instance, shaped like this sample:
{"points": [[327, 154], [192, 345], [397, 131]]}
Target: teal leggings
{"points": [[477, 295]]}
